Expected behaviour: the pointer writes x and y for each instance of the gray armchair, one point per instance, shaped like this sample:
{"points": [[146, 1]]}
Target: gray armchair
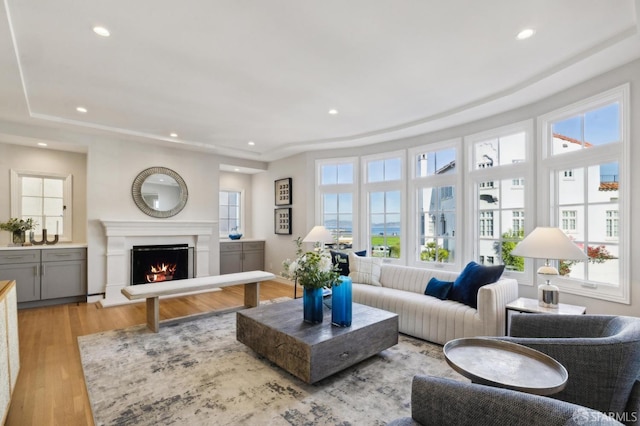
{"points": [[601, 354], [438, 401]]}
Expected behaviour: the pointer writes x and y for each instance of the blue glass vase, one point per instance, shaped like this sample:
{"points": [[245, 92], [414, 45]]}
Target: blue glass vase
{"points": [[341, 304], [312, 305]]}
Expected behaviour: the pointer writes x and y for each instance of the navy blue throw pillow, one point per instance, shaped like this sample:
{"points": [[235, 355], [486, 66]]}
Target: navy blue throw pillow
{"points": [[438, 288], [361, 253], [341, 260], [465, 287]]}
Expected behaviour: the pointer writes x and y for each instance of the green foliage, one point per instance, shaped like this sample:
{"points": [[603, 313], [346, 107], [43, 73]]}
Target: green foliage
{"points": [[15, 224], [312, 269], [510, 240], [434, 253]]}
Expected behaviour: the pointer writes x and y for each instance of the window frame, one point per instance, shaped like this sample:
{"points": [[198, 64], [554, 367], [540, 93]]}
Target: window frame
{"points": [[241, 217], [418, 183], [474, 177], [16, 176], [619, 152]]}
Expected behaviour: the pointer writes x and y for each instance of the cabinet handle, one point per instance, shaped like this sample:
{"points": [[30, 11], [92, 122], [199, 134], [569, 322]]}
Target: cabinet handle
{"points": [[62, 254], [14, 257]]}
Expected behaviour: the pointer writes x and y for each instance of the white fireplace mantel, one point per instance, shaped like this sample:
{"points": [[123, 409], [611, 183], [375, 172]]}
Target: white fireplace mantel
{"points": [[122, 235]]}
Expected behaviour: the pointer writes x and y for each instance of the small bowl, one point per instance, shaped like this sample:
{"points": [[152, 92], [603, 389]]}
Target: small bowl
{"points": [[235, 236]]}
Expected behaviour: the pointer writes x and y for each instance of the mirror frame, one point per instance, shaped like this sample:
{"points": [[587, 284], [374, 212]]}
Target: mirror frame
{"points": [[136, 192]]}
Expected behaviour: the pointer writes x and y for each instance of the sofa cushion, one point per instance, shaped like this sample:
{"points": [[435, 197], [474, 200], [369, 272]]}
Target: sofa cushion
{"points": [[465, 287], [341, 261], [365, 270], [438, 288]]}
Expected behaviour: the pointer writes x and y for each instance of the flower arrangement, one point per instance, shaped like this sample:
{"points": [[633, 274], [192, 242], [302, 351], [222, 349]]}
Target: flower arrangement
{"points": [[15, 224], [312, 269]]}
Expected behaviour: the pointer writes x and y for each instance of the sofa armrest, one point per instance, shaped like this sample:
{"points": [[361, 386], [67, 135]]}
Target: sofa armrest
{"points": [[559, 326], [492, 300], [440, 401]]}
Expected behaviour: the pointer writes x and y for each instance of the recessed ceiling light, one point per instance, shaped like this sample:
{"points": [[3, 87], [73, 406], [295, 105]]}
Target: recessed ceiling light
{"points": [[101, 31], [42, 144], [333, 111], [82, 110], [526, 33], [251, 143], [236, 169], [173, 135]]}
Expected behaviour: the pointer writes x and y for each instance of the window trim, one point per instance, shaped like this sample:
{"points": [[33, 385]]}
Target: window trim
{"points": [[615, 151], [417, 183], [242, 216], [473, 177], [16, 176]]}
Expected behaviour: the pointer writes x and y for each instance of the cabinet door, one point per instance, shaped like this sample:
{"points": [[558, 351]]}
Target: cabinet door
{"points": [[253, 260], [64, 279], [230, 262], [27, 277]]}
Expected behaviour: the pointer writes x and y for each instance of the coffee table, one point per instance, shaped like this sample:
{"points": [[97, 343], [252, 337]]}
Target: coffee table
{"points": [[312, 352], [505, 364]]}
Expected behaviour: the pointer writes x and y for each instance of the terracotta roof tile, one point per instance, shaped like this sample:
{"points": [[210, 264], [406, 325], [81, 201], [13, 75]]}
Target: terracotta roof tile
{"points": [[608, 186], [571, 140]]}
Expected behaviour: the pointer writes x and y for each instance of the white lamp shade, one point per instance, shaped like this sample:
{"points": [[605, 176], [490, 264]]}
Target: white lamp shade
{"points": [[548, 243], [319, 234]]}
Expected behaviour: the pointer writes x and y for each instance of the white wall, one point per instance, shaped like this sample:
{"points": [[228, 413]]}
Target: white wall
{"points": [[113, 165], [44, 160], [301, 168]]}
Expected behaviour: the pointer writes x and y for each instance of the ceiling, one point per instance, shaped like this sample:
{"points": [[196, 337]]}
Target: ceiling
{"points": [[220, 74]]}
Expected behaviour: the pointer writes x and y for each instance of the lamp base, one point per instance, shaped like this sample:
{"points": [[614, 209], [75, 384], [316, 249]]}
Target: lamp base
{"points": [[548, 296]]}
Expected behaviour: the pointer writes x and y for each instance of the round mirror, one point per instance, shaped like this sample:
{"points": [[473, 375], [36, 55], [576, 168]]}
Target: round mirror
{"points": [[159, 192]]}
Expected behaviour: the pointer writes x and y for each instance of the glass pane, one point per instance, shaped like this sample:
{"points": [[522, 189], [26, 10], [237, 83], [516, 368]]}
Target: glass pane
{"points": [[567, 135], [31, 206], [52, 206], [53, 188], [330, 203], [604, 263], [224, 226], [224, 198], [393, 202], [32, 186], [609, 177], [345, 201], [486, 153], [570, 186], [512, 149], [602, 126], [234, 198], [375, 171], [224, 212], [392, 169], [345, 173], [376, 202], [328, 175], [436, 162]]}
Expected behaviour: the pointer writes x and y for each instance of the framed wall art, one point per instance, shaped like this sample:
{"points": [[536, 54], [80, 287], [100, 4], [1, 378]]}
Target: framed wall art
{"points": [[283, 192], [282, 221]]}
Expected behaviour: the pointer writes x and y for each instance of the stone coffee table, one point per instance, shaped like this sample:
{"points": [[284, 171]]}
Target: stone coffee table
{"points": [[312, 352]]}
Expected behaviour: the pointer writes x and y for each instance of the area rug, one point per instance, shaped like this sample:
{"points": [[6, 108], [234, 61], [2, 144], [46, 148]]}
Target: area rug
{"points": [[197, 373]]}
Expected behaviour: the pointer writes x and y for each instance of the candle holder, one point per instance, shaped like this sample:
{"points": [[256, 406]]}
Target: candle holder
{"points": [[44, 239]]}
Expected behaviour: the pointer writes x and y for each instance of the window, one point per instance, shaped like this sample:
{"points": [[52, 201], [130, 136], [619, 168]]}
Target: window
{"points": [[500, 163], [384, 201], [569, 220], [230, 211], [435, 185], [46, 198], [612, 223], [336, 192], [590, 138]]}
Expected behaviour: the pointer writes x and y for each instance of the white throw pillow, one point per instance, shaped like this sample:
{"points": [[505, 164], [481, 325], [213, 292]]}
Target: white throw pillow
{"points": [[365, 270]]}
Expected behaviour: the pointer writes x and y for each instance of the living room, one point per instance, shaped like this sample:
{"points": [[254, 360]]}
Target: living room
{"points": [[105, 163]]}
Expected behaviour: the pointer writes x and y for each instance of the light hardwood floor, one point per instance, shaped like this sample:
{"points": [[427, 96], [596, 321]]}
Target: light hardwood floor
{"points": [[50, 388]]}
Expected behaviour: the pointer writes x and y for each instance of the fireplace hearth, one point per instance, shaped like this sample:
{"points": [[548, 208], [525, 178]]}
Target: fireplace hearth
{"points": [[158, 263]]}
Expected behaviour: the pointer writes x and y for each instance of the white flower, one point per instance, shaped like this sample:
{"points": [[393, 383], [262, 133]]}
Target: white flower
{"points": [[325, 264], [293, 266]]}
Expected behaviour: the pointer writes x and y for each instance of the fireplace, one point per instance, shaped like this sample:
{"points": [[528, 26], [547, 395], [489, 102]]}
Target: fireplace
{"points": [[158, 263]]}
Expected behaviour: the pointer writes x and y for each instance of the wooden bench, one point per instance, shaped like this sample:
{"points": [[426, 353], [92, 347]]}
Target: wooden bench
{"points": [[152, 292]]}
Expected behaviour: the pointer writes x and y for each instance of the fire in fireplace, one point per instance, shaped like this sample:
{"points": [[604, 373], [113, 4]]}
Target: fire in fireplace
{"points": [[157, 263]]}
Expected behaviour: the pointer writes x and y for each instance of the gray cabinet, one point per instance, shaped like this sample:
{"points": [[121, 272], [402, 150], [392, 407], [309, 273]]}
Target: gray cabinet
{"points": [[241, 256], [46, 275]]}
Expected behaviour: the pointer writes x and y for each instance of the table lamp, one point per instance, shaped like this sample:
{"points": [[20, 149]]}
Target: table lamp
{"points": [[319, 235], [548, 243]]}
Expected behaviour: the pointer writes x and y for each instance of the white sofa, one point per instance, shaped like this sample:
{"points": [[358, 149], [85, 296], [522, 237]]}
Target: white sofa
{"points": [[430, 318]]}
